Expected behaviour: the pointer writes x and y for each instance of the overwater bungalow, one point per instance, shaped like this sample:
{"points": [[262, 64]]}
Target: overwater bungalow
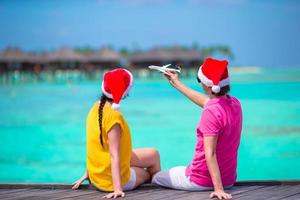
{"points": [[64, 59], [103, 59], [187, 58], [12, 59]]}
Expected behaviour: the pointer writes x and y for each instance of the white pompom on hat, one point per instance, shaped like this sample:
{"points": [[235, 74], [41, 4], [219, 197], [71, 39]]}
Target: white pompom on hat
{"points": [[116, 85], [214, 73]]}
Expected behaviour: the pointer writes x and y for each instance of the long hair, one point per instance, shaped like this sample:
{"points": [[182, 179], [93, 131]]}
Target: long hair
{"points": [[103, 100]]}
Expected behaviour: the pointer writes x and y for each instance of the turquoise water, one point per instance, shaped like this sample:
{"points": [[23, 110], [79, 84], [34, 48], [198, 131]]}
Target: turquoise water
{"points": [[42, 126]]}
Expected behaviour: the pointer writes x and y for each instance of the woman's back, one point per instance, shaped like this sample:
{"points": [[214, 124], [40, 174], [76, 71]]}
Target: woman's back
{"points": [[98, 156], [221, 117], [229, 115]]}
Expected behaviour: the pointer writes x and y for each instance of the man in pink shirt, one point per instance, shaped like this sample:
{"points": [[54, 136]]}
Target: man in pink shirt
{"points": [[218, 135]]}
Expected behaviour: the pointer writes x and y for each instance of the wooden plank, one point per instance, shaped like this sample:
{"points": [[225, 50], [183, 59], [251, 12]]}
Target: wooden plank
{"points": [[23, 195], [267, 182], [286, 191], [254, 192], [42, 186], [270, 192], [276, 191], [141, 195], [161, 194], [14, 193], [195, 195], [142, 192], [87, 186], [178, 196], [7, 191], [46, 194], [292, 197], [43, 193], [241, 189], [97, 195], [205, 194], [78, 193]]}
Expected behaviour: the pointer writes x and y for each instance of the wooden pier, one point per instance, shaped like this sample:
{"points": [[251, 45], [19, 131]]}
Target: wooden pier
{"points": [[254, 190]]}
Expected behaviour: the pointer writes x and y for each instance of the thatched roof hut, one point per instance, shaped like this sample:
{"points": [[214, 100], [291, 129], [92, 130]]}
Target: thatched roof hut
{"points": [[14, 59], [64, 55], [104, 55], [64, 58], [14, 55], [159, 56], [104, 58]]}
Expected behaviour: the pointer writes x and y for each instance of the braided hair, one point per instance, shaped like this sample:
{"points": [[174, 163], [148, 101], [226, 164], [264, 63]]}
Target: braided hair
{"points": [[103, 100]]}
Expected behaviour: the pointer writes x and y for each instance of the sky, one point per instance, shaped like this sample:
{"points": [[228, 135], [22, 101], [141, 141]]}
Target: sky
{"points": [[259, 32]]}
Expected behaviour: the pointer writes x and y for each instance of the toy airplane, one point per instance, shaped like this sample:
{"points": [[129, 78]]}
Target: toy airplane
{"points": [[165, 68]]}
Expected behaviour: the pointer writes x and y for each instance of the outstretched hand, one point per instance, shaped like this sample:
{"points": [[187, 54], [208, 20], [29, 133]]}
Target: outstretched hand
{"points": [[172, 77], [114, 195], [220, 194]]}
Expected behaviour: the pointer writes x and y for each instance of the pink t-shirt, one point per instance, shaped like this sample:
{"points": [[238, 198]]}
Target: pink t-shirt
{"points": [[221, 117]]}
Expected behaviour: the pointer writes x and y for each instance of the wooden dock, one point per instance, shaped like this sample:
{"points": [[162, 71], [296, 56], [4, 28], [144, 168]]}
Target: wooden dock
{"points": [[254, 190]]}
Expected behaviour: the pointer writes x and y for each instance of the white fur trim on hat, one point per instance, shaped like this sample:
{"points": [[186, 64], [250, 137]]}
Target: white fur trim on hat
{"points": [[209, 82], [115, 106], [130, 84], [204, 79], [108, 95]]}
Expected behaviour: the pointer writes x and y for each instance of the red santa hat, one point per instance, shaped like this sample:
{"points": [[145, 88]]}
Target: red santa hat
{"points": [[116, 85], [214, 73]]}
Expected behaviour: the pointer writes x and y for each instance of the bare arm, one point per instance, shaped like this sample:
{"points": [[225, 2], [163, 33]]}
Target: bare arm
{"points": [[77, 183], [210, 143], [114, 136], [196, 97]]}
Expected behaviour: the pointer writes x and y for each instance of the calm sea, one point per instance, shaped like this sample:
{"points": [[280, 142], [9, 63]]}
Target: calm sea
{"points": [[42, 125]]}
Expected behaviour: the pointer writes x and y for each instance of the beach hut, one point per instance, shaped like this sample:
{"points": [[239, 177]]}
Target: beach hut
{"points": [[159, 56], [40, 62], [187, 58], [152, 57], [3, 64], [12, 59], [65, 59], [103, 59]]}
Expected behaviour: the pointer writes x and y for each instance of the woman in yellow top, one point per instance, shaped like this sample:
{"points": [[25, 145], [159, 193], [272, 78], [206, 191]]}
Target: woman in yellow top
{"points": [[112, 165]]}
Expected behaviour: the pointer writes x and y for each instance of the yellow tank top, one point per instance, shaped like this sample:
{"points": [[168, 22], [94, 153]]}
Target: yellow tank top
{"points": [[98, 157]]}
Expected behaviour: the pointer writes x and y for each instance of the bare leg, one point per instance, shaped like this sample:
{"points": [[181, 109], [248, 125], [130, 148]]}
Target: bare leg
{"points": [[142, 176], [147, 158]]}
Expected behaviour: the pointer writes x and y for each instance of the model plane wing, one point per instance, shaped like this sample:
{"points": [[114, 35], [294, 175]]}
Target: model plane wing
{"points": [[164, 68]]}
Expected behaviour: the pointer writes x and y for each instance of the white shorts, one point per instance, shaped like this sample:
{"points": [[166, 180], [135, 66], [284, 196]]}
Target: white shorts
{"points": [[175, 178], [130, 185]]}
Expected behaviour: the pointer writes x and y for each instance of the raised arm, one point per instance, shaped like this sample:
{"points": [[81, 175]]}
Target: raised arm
{"points": [[210, 143], [196, 97], [114, 136]]}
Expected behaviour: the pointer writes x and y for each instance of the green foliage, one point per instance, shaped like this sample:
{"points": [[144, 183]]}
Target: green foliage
{"points": [[84, 50], [209, 51]]}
